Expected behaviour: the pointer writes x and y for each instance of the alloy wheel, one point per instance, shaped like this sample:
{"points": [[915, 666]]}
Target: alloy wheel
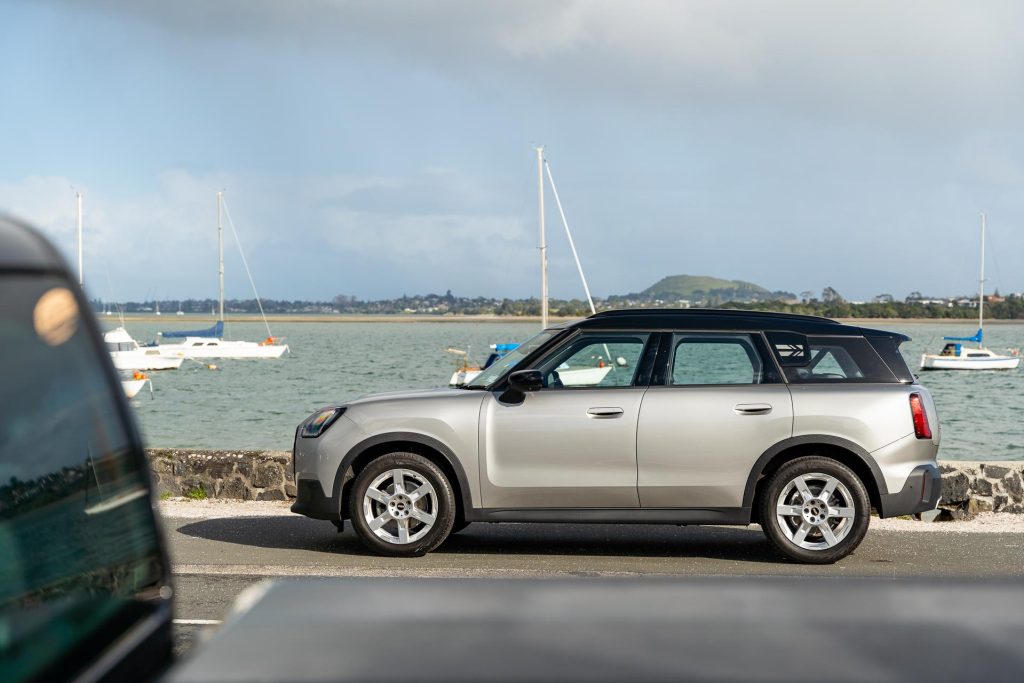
{"points": [[400, 506], [815, 511]]}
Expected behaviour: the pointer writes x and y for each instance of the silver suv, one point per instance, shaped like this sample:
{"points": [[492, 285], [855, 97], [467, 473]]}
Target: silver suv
{"points": [[798, 423]]}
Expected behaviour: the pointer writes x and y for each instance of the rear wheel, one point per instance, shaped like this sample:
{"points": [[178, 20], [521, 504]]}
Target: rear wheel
{"points": [[401, 505], [815, 510]]}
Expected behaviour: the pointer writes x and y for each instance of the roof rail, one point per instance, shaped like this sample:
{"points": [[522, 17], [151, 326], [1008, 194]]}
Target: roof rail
{"points": [[710, 312]]}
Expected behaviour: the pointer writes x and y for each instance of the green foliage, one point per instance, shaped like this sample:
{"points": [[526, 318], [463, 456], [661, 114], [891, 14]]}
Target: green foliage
{"points": [[165, 495], [694, 286], [198, 493]]}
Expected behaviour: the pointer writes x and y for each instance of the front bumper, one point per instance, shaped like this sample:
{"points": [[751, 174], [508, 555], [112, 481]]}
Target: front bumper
{"points": [[311, 501], [920, 493]]}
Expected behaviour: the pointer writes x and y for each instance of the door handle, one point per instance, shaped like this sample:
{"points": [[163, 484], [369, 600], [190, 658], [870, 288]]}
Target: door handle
{"points": [[752, 408], [605, 413]]}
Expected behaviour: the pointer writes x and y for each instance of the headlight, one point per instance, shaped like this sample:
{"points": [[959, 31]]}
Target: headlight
{"points": [[318, 423]]}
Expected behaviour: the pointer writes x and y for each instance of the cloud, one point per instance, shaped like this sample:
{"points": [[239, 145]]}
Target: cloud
{"points": [[306, 237], [910, 63]]}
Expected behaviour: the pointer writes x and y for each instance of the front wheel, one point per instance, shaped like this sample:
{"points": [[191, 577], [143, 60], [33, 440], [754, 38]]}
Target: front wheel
{"points": [[815, 510], [402, 505]]}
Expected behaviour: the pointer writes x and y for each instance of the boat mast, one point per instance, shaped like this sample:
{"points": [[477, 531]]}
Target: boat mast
{"points": [[78, 202], [220, 252], [543, 243], [981, 285]]}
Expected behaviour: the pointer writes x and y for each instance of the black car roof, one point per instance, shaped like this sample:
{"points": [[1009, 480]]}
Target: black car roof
{"points": [[723, 319], [22, 248]]}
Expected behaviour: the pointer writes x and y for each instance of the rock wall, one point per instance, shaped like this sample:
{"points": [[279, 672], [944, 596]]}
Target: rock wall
{"points": [[967, 487], [238, 475], [972, 487]]}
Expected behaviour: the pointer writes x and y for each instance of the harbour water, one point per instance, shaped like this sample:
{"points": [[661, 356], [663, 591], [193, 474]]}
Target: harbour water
{"points": [[258, 403]]}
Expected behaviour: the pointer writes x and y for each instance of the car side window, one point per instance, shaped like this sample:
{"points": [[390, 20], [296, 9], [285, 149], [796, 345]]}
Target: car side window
{"points": [[77, 534], [707, 359], [595, 360], [841, 359]]}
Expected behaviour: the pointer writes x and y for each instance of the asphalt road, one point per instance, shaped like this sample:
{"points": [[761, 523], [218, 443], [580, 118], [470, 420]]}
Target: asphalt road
{"points": [[216, 559]]}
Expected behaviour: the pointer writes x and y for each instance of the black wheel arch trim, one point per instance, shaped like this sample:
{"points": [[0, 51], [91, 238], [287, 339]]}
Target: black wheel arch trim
{"points": [[398, 438], [808, 440]]}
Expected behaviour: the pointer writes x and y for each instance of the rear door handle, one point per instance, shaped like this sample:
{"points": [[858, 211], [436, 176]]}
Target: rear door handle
{"points": [[752, 408], [605, 413]]}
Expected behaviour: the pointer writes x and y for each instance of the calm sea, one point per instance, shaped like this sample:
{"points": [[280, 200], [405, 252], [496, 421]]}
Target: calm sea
{"points": [[257, 404]]}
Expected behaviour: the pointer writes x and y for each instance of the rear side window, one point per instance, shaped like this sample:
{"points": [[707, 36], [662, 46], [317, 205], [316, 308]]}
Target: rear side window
{"points": [[715, 359], [840, 359], [889, 350]]}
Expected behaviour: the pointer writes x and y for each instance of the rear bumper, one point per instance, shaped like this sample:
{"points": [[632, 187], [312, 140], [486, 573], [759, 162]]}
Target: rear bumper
{"points": [[920, 493], [311, 501]]}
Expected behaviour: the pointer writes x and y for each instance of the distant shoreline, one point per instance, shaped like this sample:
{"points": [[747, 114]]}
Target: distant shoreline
{"points": [[404, 318]]}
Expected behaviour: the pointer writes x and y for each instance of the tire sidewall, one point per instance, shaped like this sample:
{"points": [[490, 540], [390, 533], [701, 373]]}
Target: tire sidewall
{"points": [[445, 503], [806, 465]]}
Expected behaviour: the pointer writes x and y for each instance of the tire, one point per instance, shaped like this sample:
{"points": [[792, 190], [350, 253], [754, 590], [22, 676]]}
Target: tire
{"points": [[400, 524], [799, 525]]}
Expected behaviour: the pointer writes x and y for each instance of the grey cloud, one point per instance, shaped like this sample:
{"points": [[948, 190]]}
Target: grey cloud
{"points": [[911, 63]]}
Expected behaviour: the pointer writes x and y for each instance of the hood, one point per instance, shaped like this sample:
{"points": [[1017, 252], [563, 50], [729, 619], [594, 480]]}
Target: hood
{"points": [[418, 394]]}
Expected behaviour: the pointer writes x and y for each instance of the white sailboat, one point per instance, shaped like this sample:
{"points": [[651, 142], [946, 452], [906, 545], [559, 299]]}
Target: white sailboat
{"points": [[585, 376], [956, 355], [210, 343]]}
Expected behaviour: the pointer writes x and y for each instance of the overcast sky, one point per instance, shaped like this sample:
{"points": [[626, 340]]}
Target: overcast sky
{"points": [[380, 148]]}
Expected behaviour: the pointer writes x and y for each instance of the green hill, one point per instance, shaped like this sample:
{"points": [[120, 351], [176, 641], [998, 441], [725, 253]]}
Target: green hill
{"points": [[699, 286]]}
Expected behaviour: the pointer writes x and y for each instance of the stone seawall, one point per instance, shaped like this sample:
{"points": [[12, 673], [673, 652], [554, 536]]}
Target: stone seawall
{"points": [[235, 475], [967, 487]]}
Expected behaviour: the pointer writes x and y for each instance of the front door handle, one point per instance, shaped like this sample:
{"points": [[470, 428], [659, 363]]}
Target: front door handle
{"points": [[752, 408], [605, 413]]}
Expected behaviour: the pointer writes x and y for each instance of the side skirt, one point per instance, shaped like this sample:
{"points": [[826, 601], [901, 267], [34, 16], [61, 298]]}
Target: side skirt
{"points": [[739, 516]]}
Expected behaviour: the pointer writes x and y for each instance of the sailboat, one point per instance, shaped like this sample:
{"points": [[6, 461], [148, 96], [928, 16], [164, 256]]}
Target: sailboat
{"points": [[210, 343], [956, 355], [579, 376]]}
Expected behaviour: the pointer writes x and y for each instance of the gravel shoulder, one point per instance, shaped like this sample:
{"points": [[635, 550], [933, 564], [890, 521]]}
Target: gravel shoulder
{"points": [[183, 508]]}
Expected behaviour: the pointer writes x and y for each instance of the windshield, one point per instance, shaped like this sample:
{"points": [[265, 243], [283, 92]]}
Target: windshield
{"points": [[500, 366]]}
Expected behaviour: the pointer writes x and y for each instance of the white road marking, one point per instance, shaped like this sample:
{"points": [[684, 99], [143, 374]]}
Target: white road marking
{"points": [[198, 622]]}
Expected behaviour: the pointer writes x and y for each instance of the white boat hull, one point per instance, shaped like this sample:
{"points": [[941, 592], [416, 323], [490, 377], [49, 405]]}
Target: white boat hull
{"points": [[937, 362], [149, 359], [201, 347], [133, 386], [580, 377]]}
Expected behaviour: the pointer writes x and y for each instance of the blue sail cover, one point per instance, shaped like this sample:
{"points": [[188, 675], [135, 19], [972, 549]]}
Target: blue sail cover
{"points": [[215, 331], [975, 338]]}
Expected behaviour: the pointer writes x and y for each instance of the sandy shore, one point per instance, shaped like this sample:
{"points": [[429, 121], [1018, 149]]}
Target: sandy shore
{"points": [[182, 508]]}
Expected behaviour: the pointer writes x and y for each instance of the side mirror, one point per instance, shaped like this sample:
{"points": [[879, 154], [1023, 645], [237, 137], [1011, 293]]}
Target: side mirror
{"points": [[526, 381]]}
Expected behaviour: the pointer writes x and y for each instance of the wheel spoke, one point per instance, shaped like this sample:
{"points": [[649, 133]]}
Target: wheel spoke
{"points": [[423, 516], [422, 490], [398, 477], [377, 495], [801, 486], [403, 530], [830, 486], [789, 510], [380, 521], [800, 534], [826, 532], [849, 513]]}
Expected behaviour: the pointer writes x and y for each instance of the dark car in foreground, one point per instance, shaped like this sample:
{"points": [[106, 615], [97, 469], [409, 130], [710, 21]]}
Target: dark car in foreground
{"points": [[799, 423], [85, 589]]}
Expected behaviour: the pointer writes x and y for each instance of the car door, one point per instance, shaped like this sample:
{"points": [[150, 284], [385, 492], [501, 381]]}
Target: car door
{"points": [[571, 444], [716, 403]]}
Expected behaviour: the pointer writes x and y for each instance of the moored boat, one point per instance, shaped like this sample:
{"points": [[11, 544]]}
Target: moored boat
{"points": [[956, 355], [128, 355]]}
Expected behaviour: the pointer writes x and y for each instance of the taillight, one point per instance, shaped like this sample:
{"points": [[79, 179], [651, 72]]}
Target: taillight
{"points": [[922, 429]]}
